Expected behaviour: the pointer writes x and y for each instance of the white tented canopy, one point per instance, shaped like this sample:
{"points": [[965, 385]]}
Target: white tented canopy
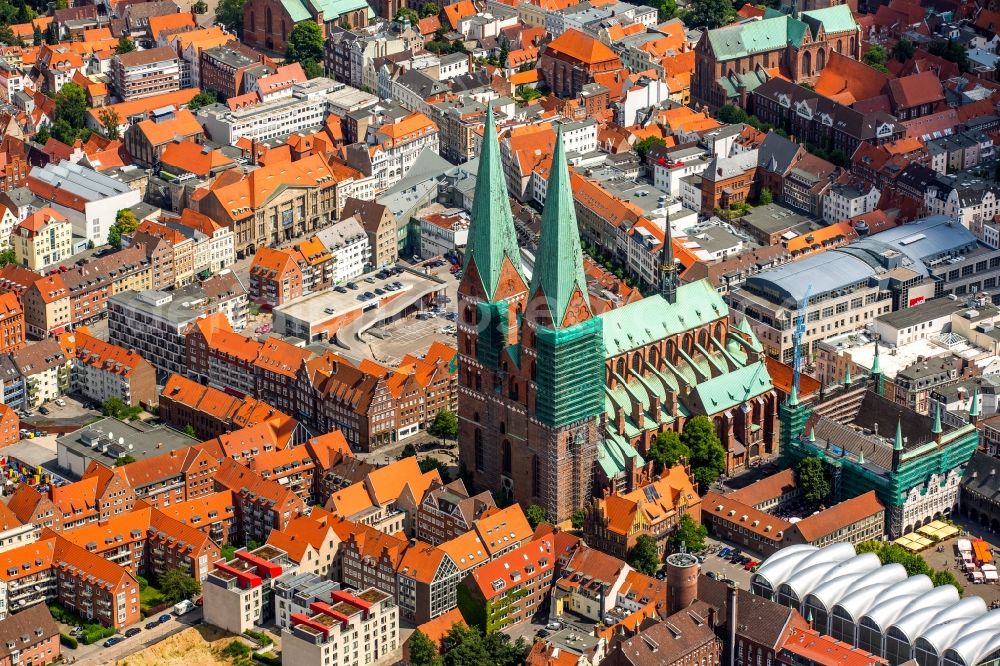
{"points": [[991, 575], [977, 575], [964, 546]]}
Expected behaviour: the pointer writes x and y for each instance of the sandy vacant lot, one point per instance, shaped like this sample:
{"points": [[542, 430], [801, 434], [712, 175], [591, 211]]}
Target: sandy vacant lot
{"points": [[198, 645]]}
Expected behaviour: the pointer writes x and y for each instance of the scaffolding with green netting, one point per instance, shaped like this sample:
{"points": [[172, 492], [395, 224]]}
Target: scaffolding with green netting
{"points": [[492, 321], [569, 373]]}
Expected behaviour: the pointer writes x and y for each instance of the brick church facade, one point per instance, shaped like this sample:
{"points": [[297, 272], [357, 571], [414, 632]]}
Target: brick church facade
{"points": [[557, 404], [268, 23], [732, 61]]}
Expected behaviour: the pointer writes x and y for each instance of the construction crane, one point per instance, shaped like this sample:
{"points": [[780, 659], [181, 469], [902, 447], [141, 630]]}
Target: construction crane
{"points": [[800, 329]]}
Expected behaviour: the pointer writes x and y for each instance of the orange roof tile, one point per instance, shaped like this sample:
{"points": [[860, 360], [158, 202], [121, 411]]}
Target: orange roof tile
{"points": [[526, 563], [581, 48], [144, 105], [302, 533], [500, 528], [183, 124], [178, 21], [194, 157], [459, 10], [421, 562]]}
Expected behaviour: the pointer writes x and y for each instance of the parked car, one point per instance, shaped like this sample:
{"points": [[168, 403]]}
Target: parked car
{"points": [[114, 640], [164, 618], [352, 285], [339, 289], [60, 402], [132, 632], [152, 625], [711, 574], [379, 292], [43, 410], [329, 311]]}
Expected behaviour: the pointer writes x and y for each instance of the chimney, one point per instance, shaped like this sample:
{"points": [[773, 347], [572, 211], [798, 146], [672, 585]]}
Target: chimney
{"points": [[711, 618], [731, 594]]}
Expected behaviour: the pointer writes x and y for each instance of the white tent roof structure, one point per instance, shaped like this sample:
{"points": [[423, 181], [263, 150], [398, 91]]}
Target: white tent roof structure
{"points": [[835, 577]]}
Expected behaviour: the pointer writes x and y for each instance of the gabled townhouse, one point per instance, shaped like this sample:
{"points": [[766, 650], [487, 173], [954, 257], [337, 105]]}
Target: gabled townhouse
{"points": [[275, 277], [214, 514], [220, 357], [101, 370], [380, 227], [11, 322], [147, 140], [213, 413], [312, 543], [448, 511], [263, 505], [55, 570], [46, 370], [102, 495], [385, 497]]}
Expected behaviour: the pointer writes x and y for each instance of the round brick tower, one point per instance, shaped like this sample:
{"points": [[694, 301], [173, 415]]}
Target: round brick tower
{"points": [[682, 581]]}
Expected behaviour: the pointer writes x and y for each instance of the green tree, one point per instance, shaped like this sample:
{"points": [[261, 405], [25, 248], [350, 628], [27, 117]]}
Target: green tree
{"points": [[668, 9], [732, 115], [643, 556], [838, 157], [125, 45], [445, 425], [903, 50], [409, 451], [37, 36], [429, 463], [578, 518], [229, 13], [111, 121], [766, 197], [423, 651], [667, 450], [311, 69], [464, 646], [527, 94], [690, 533], [204, 98], [189, 430], [430, 9], [953, 51], [52, 34], [200, 7], [875, 55], [643, 146], [709, 13], [42, 136], [535, 515], [176, 585], [708, 456], [70, 114], [114, 407], [8, 257], [126, 219], [124, 460], [947, 578], [407, 14], [505, 652], [305, 43], [812, 480]]}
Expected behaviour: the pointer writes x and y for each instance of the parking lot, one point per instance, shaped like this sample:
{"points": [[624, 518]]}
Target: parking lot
{"points": [[408, 336], [722, 568]]}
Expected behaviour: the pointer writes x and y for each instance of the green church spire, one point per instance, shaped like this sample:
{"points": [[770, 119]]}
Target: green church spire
{"points": [[974, 407], [876, 366], [861, 458], [491, 231], [936, 428], [898, 444], [558, 271], [847, 375], [793, 397]]}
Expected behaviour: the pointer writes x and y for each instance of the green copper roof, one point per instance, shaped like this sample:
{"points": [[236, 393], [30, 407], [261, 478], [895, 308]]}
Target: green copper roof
{"points": [[491, 232], [876, 366], [793, 397], [897, 444], [834, 19], [613, 452], [936, 428], [298, 11], [776, 31], [559, 261], [643, 322], [847, 375], [974, 407], [726, 391]]}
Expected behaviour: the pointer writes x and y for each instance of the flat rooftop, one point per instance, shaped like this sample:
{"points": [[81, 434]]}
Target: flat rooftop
{"points": [[323, 306], [108, 439]]}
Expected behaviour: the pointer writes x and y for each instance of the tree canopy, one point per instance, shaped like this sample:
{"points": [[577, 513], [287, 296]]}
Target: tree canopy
{"points": [[423, 651], [643, 556], [177, 585], [125, 45], [445, 425], [667, 450], [709, 14], [305, 46], [204, 98], [812, 480], [535, 515], [690, 533], [643, 145], [70, 114], [230, 14], [111, 121], [708, 456]]}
